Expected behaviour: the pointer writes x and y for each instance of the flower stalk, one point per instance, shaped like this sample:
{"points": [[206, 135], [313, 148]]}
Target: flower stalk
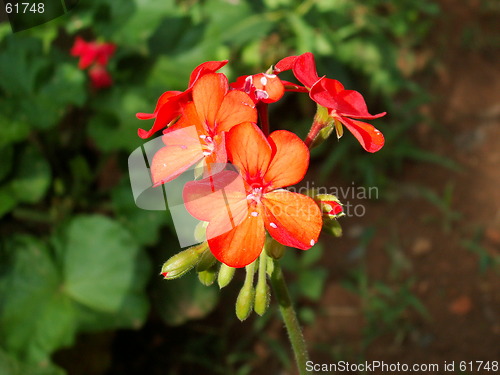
{"points": [[290, 318]]}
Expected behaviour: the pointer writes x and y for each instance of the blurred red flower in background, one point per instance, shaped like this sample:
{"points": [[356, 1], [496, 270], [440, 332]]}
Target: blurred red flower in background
{"points": [[96, 56]]}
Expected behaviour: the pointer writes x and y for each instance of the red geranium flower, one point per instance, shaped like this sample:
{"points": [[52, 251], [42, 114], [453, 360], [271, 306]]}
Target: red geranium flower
{"points": [[343, 105], [241, 207], [199, 133], [92, 52], [100, 77], [170, 103]]}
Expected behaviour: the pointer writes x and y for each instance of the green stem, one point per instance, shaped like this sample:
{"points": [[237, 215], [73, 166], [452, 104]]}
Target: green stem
{"points": [[290, 319]]}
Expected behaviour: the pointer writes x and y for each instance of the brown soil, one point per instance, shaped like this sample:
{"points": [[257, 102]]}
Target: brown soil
{"points": [[437, 251]]}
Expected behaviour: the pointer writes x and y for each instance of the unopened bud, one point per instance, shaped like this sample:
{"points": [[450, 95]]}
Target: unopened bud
{"points": [[246, 297], [207, 260], [208, 277], [244, 302], [182, 262], [274, 249], [262, 295], [329, 205], [225, 276]]}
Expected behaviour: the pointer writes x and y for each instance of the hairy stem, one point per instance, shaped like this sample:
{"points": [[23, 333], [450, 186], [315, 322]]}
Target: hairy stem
{"points": [[290, 319]]}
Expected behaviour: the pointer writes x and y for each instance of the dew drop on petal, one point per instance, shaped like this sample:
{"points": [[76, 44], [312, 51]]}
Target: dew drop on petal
{"points": [[312, 242], [206, 153], [255, 214], [273, 225], [263, 80], [203, 136]]}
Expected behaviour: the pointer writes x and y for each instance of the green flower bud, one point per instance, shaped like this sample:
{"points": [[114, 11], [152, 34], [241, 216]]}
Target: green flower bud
{"points": [[330, 205], [270, 266], [208, 277], [207, 260], [182, 262], [246, 297], [262, 294], [273, 248], [225, 276]]}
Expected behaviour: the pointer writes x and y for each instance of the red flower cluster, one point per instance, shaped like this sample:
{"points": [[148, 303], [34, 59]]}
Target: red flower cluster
{"points": [[213, 123], [96, 56]]}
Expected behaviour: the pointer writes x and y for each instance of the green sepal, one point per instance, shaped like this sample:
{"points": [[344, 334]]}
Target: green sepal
{"points": [[332, 226]]}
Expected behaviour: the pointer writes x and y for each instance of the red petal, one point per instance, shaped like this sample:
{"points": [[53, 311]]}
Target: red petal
{"points": [[290, 159], [324, 92], [304, 69], [290, 86], [292, 219], [241, 245], [182, 150], [221, 196], [99, 77], [161, 100], [208, 93], [370, 138], [168, 112], [236, 108], [285, 64], [205, 68], [249, 150], [79, 47], [351, 103]]}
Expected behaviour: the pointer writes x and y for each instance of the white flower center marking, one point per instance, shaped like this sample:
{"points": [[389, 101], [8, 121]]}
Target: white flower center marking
{"points": [[255, 195], [273, 225]]}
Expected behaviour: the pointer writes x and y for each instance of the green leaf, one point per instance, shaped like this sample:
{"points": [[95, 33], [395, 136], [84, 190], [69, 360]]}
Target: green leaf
{"points": [[7, 200], [12, 130], [30, 290], [102, 264], [115, 126], [6, 156], [32, 178], [21, 59], [183, 299]]}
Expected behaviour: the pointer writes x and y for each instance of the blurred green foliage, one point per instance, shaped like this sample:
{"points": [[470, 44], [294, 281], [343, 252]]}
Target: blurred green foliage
{"points": [[73, 244]]}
